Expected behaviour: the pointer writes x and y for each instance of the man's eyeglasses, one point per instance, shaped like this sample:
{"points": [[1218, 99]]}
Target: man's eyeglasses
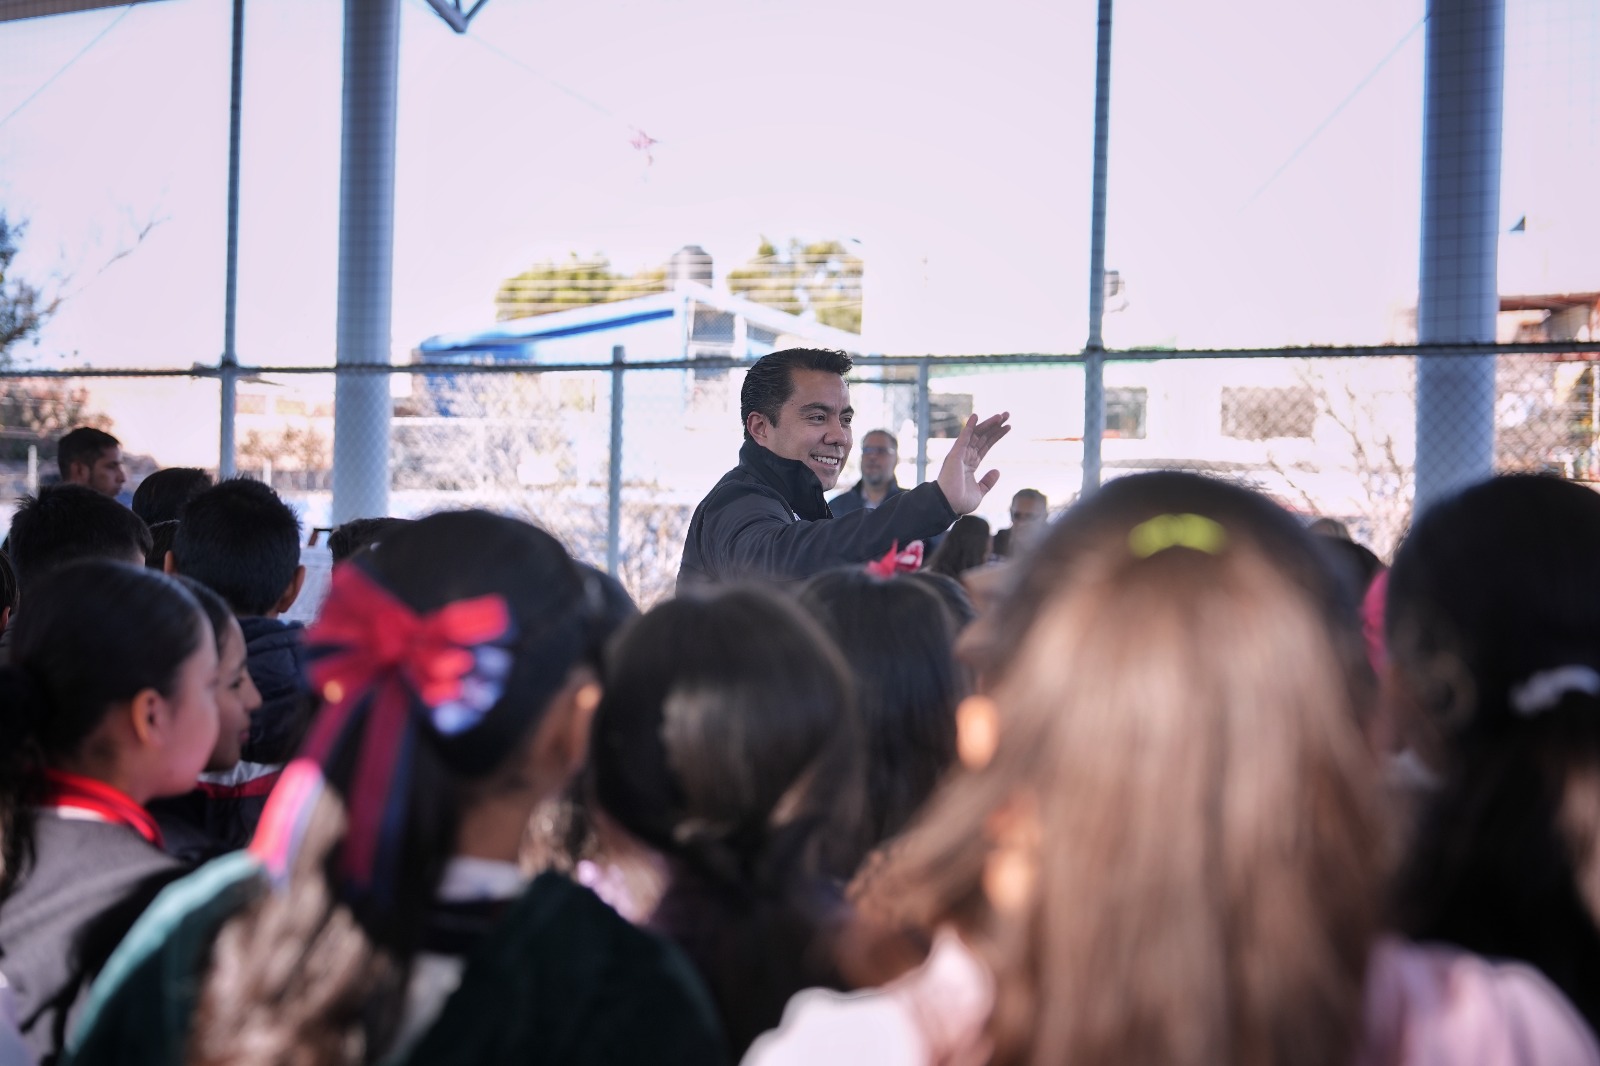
{"points": [[875, 450]]}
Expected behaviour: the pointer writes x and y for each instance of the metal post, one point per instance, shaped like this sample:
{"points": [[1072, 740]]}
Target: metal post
{"points": [[362, 406], [1094, 357], [1458, 296], [924, 416], [229, 366], [614, 480]]}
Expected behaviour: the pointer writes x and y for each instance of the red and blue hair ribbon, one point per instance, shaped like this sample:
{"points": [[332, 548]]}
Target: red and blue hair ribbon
{"points": [[381, 670]]}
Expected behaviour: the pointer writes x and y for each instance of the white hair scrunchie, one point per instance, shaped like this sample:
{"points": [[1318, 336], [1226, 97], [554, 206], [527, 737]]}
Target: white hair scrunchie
{"points": [[1543, 690]]}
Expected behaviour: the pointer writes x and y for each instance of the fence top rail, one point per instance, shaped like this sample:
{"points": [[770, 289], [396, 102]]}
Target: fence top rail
{"points": [[242, 372]]}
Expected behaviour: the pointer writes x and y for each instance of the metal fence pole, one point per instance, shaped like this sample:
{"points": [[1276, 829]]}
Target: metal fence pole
{"points": [[362, 407], [229, 368], [614, 481], [1458, 297], [1094, 357], [924, 415]]}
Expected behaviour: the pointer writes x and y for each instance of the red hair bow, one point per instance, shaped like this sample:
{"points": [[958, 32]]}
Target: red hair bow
{"points": [[897, 561], [372, 634], [367, 643]]}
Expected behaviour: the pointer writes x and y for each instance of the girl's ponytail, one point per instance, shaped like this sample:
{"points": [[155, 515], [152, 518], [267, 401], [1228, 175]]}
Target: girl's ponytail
{"points": [[23, 703]]}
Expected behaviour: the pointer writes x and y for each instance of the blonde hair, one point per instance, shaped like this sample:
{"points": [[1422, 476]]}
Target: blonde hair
{"points": [[1181, 729]]}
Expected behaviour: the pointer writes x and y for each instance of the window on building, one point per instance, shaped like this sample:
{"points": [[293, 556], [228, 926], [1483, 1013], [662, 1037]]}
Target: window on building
{"points": [[1125, 413], [1269, 413], [947, 413]]}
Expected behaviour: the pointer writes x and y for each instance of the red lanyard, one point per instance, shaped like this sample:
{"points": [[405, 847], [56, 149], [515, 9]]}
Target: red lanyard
{"points": [[73, 792]]}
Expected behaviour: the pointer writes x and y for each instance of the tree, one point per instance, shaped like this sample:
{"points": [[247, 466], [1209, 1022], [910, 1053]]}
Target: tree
{"points": [[24, 309], [822, 279], [577, 282]]}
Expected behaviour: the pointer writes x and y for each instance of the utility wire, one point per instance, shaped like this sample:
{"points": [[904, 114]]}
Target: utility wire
{"points": [[68, 66], [1339, 109]]}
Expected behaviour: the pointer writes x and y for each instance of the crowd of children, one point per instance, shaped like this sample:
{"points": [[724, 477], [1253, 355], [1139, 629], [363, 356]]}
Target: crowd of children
{"points": [[1183, 782]]}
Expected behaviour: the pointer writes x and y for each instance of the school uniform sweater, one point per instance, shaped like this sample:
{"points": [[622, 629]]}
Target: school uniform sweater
{"points": [[559, 977], [88, 882]]}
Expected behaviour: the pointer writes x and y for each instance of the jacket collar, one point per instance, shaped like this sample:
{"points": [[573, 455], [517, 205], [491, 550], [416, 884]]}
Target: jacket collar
{"points": [[793, 480]]}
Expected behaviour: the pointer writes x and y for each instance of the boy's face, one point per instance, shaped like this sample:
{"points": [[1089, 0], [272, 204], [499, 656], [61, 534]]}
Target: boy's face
{"points": [[105, 475]]}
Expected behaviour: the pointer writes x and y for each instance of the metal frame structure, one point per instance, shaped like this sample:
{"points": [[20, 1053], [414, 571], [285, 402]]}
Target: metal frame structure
{"points": [[455, 14], [1463, 115], [1458, 295]]}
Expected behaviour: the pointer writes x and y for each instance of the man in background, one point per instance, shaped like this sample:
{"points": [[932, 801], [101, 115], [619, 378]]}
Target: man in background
{"points": [[880, 454], [91, 458], [1029, 509]]}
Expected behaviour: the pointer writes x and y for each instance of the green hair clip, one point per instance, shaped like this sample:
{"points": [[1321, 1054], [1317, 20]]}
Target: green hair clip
{"points": [[1176, 531]]}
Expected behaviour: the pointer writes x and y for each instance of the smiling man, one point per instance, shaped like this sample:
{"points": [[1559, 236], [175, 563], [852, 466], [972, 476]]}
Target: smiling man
{"points": [[768, 518]]}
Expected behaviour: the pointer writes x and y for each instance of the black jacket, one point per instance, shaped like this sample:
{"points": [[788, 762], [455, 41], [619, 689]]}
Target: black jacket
{"points": [[767, 519], [275, 654]]}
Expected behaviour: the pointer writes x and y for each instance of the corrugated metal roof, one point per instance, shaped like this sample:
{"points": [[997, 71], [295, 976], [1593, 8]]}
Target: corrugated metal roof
{"points": [[595, 318]]}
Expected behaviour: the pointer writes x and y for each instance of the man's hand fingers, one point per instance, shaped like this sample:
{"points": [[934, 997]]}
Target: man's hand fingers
{"points": [[988, 481], [990, 441], [965, 436]]}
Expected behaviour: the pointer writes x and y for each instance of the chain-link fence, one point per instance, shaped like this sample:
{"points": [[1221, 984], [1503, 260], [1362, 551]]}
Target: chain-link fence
{"points": [[1326, 434]]}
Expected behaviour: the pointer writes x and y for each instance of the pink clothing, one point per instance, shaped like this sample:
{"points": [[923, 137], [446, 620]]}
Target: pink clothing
{"points": [[1430, 1005], [1374, 607], [1425, 1006], [933, 1015]]}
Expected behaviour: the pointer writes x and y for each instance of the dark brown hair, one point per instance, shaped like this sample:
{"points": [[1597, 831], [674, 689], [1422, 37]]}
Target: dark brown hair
{"points": [[726, 741], [1177, 727], [966, 546], [1492, 587], [897, 638]]}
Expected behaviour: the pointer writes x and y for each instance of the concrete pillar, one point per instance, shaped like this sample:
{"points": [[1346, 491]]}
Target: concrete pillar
{"points": [[366, 258], [1458, 296]]}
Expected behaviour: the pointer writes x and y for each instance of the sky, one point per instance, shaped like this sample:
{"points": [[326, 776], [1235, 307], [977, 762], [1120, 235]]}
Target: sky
{"points": [[1264, 178]]}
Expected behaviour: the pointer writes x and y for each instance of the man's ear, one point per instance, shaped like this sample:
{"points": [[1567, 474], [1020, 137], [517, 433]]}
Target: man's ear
{"points": [[78, 473], [291, 593], [169, 565], [758, 427], [5, 618]]}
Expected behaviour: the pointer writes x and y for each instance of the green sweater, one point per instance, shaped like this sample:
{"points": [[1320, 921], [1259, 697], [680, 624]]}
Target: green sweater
{"points": [[561, 979]]}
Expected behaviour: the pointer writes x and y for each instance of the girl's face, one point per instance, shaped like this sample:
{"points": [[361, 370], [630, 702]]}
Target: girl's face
{"points": [[191, 719], [237, 700]]}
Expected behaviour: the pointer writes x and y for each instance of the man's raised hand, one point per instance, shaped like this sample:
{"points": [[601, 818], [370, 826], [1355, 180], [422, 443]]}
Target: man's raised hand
{"points": [[958, 477]]}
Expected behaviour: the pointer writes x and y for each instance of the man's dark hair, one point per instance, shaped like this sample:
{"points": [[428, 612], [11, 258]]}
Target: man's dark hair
{"points": [[243, 541], [162, 495], [83, 445], [770, 382], [65, 523], [1030, 494], [162, 534], [894, 442], [360, 532]]}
